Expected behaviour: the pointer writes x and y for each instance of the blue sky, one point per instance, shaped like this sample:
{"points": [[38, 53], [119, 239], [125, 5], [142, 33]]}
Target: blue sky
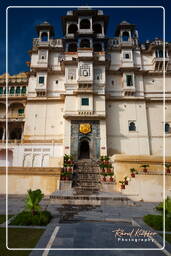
{"points": [[22, 22]]}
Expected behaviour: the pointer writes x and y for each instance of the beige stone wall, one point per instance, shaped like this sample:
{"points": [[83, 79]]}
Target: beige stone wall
{"points": [[20, 180], [44, 120], [120, 139], [146, 187]]}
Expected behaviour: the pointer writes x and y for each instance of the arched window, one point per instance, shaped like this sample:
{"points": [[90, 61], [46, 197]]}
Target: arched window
{"points": [[160, 53], [72, 47], [125, 36], [85, 24], [18, 90], [127, 56], [1, 133], [15, 133], [85, 43], [167, 127], [72, 29], [23, 91], [97, 28], [12, 90], [97, 47], [44, 37], [132, 126]]}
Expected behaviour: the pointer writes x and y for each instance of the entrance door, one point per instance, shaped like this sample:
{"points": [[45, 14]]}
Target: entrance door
{"points": [[84, 151]]}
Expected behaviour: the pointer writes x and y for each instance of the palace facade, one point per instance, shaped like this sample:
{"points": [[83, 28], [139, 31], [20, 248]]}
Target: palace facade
{"points": [[87, 95]]}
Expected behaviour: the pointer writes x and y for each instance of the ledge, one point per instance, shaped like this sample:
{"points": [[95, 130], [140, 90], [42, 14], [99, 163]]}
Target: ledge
{"points": [[139, 159], [45, 171]]}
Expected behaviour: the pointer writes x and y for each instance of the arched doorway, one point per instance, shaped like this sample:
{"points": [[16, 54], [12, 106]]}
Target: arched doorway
{"points": [[84, 149]]}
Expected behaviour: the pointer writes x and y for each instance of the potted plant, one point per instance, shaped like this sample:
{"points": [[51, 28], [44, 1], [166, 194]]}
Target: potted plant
{"points": [[111, 176], [109, 169], [67, 176], [102, 167], [126, 180], [104, 175], [167, 165], [63, 175], [70, 168], [133, 171], [144, 166], [106, 159], [122, 184]]}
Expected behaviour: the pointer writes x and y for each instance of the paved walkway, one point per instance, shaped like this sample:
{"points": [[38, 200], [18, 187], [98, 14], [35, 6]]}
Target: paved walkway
{"points": [[78, 226]]}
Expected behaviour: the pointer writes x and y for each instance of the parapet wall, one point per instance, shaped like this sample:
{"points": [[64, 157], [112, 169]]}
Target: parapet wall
{"points": [[21, 179], [147, 187]]}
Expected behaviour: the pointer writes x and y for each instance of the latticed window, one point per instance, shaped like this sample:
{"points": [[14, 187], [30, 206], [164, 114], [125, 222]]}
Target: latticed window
{"points": [[85, 101], [41, 79], [129, 80]]}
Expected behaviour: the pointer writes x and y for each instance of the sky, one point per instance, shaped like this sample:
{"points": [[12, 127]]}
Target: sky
{"points": [[22, 22]]}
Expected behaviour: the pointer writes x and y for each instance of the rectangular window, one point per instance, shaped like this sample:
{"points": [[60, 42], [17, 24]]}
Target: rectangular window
{"points": [[85, 101], [129, 80], [41, 79]]}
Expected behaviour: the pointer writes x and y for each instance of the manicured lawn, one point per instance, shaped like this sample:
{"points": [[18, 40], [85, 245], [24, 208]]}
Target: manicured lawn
{"points": [[19, 238], [3, 218]]}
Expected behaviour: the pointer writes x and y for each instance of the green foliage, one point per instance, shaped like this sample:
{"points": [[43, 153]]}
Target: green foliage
{"points": [[133, 170], [103, 174], [145, 165], [32, 201], [25, 218], [156, 222], [160, 206], [122, 182], [167, 165], [110, 174]]}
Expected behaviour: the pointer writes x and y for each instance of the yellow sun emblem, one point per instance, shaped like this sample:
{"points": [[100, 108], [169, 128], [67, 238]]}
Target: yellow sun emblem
{"points": [[85, 128]]}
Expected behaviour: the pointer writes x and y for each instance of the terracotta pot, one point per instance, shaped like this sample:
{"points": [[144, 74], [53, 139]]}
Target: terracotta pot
{"points": [[167, 170], [122, 186], [133, 175], [126, 182], [67, 178], [62, 177], [104, 178], [70, 169], [111, 179], [145, 170], [109, 170]]}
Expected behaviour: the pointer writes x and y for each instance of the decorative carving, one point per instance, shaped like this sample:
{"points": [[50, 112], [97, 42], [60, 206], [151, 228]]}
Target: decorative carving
{"points": [[35, 42], [71, 74], [85, 70], [85, 128]]}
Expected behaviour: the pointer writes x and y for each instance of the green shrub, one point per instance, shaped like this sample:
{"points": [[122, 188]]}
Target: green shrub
{"points": [[159, 207], [32, 201], [156, 222], [26, 218]]}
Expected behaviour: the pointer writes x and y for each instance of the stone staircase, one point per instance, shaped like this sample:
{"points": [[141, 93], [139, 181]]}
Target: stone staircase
{"points": [[88, 178]]}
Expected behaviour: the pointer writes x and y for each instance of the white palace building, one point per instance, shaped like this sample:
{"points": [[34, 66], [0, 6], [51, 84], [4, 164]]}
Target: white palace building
{"points": [[87, 95]]}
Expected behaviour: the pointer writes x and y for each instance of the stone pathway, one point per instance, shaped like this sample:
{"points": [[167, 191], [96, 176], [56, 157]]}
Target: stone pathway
{"points": [[80, 226]]}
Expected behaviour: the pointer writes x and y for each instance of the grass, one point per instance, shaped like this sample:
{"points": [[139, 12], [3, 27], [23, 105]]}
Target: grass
{"points": [[3, 218], [19, 238]]}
